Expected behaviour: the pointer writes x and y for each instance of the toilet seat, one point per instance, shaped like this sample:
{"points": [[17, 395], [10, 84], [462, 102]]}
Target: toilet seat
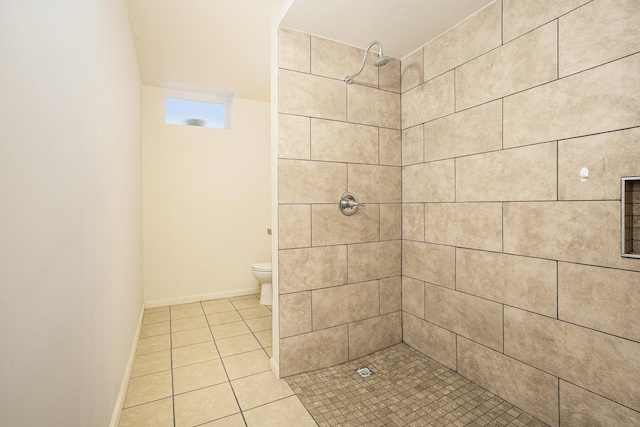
{"points": [[264, 266]]}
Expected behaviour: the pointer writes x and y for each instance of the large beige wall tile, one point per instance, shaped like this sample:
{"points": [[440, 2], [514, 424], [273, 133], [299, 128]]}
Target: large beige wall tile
{"points": [[411, 70], [375, 184], [368, 261], [389, 76], [469, 39], [470, 225], [582, 232], [340, 305], [315, 350], [521, 64], [602, 363], [528, 283], [312, 268], [528, 388], [313, 96], [294, 50], [429, 182], [472, 131], [294, 137], [390, 147], [413, 221], [368, 336], [524, 173], [413, 296], [608, 157], [310, 182], [579, 407], [428, 101], [343, 142], [520, 16], [427, 338], [390, 294], [431, 263], [294, 226], [331, 227], [390, 221], [336, 60], [469, 316], [413, 145], [600, 298], [295, 314], [599, 32], [597, 100], [374, 107]]}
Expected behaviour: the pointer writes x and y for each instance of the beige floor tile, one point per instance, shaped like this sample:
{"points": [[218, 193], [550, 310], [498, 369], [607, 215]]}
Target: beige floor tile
{"points": [[191, 336], [186, 312], [218, 308], [207, 404], [233, 421], [259, 389], [265, 338], [245, 364], [214, 301], [151, 363], [197, 376], [157, 309], [285, 412], [148, 388], [246, 303], [259, 323], [196, 353], [229, 330], [252, 313], [185, 306], [155, 343], [153, 414], [153, 329], [237, 344], [224, 317], [162, 316], [242, 297], [188, 323], [269, 351]]}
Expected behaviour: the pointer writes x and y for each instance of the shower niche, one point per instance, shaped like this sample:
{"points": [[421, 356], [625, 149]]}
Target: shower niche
{"points": [[630, 243]]}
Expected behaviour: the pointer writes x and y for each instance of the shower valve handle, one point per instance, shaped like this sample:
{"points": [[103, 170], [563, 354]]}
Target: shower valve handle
{"points": [[348, 204]]}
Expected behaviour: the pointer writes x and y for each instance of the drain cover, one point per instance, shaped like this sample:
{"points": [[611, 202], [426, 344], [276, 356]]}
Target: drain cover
{"points": [[364, 372]]}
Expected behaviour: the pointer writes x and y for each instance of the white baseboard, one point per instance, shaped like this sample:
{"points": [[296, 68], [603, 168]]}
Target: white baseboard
{"points": [[204, 297], [274, 367], [117, 410]]}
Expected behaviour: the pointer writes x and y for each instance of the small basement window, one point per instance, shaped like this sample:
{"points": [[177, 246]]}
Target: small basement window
{"points": [[631, 217], [191, 106]]}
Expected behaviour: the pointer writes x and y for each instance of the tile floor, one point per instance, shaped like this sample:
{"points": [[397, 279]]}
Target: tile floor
{"points": [[407, 388], [207, 364]]}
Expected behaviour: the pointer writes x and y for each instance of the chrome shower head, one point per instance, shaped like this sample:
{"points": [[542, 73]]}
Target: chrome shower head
{"points": [[382, 60]]}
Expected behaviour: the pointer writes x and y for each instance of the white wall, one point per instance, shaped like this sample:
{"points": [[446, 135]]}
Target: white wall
{"points": [[70, 210], [206, 201]]}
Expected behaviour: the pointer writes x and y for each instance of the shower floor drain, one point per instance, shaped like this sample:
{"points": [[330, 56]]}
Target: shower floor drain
{"points": [[364, 372]]}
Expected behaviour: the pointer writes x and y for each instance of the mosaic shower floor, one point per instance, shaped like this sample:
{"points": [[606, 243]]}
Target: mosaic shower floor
{"points": [[406, 388]]}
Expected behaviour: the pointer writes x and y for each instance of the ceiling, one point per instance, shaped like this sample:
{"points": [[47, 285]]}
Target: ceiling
{"points": [[224, 44]]}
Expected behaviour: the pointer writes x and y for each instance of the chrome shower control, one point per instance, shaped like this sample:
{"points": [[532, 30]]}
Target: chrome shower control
{"points": [[348, 204]]}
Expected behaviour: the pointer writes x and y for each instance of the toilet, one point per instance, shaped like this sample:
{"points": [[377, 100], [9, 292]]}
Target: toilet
{"points": [[262, 272]]}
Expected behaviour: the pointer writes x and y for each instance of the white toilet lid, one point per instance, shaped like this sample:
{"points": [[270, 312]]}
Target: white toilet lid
{"points": [[264, 266]]}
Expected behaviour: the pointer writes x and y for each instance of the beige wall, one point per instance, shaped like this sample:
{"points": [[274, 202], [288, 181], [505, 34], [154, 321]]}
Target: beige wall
{"points": [[511, 267], [206, 203], [70, 215], [512, 272], [339, 276]]}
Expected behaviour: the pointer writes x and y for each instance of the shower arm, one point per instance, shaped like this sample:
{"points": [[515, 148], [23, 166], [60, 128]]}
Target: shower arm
{"points": [[349, 79]]}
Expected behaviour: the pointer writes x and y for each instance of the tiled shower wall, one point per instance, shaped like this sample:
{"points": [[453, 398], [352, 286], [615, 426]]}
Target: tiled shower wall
{"points": [[339, 276], [511, 266]]}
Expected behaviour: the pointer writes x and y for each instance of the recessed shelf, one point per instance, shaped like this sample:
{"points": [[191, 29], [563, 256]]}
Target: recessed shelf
{"points": [[630, 215]]}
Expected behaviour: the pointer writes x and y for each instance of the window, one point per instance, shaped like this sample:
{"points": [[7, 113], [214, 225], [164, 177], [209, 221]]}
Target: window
{"points": [[191, 106]]}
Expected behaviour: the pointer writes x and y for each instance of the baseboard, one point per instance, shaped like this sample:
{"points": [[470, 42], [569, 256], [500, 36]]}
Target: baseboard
{"points": [[274, 367], [117, 410], [204, 297]]}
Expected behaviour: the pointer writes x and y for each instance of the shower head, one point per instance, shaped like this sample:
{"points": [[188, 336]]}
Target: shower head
{"points": [[382, 60]]}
